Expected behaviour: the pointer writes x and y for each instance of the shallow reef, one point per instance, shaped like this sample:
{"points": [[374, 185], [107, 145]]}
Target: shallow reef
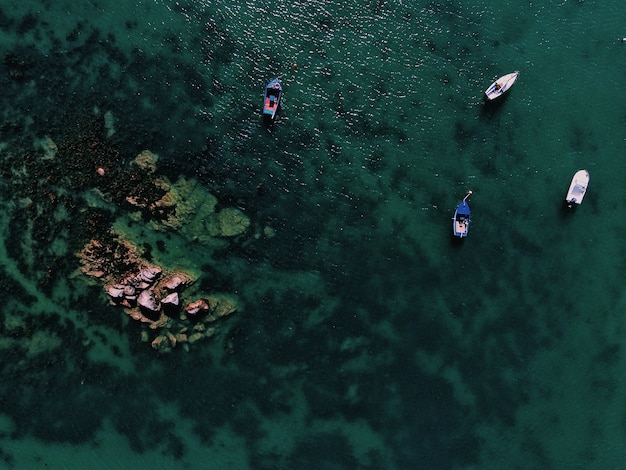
{"points": [[81, 194]]}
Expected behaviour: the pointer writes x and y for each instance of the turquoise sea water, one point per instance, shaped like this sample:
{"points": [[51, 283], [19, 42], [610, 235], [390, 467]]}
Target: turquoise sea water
{"points": [[365, 337]]}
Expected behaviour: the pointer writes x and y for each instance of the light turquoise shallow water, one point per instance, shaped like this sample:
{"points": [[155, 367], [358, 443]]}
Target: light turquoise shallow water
{"points": [[365, 338]]}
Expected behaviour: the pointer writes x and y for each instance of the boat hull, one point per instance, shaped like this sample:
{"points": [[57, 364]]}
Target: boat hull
{"points": [[271, 97], [461, 220], [577, 188], [501, 86]]}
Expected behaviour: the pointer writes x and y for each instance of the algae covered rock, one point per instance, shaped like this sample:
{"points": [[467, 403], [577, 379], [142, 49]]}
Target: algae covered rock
{"points": [[193, 212], [228, 222], [147, 160]]}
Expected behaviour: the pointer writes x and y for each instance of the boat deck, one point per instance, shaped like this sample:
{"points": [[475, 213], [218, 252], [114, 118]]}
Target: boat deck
{"points": [[578, 187], [460, 226]]}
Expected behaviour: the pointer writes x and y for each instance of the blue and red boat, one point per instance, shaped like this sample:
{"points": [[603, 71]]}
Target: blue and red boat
{"points": [[461, 220], [272, 95]]}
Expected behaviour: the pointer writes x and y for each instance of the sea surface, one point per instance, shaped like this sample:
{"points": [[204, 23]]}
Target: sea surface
{"points": [[365, 336]]}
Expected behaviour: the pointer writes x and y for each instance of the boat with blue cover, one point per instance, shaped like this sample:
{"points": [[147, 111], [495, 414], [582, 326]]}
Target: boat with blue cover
{"points": [[272, 95], [461, 219]]}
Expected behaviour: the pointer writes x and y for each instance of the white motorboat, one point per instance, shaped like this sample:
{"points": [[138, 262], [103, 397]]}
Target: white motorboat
{"points": [[577, 188], [501, 86]]}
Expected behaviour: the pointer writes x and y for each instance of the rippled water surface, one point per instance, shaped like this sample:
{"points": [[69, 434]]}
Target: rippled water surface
{"points": [[364, 336]]}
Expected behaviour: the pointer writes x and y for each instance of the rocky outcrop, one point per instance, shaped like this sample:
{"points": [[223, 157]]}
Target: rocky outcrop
{"points": [[198, 307], [116, 291], [164, 299], [153, 296], [147, 301], [172, 300], [149, 273], [176, 282]]}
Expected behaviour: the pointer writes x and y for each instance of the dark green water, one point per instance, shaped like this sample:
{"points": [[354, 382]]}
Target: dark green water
{"points": [[365, 338]]}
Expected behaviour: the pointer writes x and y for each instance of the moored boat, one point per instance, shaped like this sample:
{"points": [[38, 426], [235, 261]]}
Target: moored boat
{"points": [[577, 188], [272, 95], [501, 86], [461, 219]]}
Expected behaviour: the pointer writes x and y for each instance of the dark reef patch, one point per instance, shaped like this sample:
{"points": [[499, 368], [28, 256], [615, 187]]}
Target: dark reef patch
{"points": [[328, 451]]}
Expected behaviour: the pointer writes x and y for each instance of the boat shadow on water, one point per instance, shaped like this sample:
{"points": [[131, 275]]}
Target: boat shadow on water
{"points": [[457, 242], [269, 122], [567, 209], [490, 107]]}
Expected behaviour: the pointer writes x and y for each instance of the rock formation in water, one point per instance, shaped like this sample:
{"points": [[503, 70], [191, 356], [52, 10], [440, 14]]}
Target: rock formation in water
{"points": [[153, 294], [79, 194], [150, 293]]}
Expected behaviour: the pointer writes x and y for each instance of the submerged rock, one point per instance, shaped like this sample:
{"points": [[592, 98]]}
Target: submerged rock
{"points": [[109, 123], [225, 306], [228, 222], [232, 222], [195, 337], [147, 160], [161, 342]]}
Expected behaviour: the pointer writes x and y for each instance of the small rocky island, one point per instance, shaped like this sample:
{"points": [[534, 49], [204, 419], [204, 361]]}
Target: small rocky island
{"points": [[162, 297], [154, 295], [143, 233]]}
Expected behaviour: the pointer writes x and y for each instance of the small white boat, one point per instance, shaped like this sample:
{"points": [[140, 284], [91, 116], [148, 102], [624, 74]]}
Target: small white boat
{"points": [[577, 188], [501, 86]]}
